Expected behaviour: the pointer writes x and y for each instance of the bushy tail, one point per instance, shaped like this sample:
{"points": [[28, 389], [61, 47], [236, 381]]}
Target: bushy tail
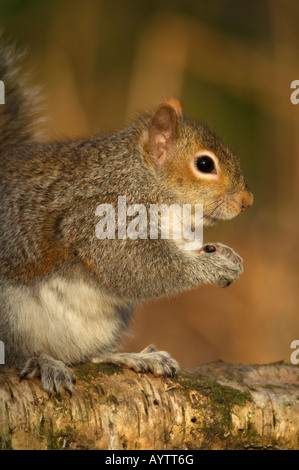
{"points": [[19, 121]]}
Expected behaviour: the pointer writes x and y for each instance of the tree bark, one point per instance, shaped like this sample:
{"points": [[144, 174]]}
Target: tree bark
{"points": [[214, 406]]}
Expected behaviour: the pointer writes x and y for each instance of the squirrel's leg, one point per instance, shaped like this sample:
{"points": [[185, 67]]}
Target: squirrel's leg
{"points": [[54, 374], [148, 360]]}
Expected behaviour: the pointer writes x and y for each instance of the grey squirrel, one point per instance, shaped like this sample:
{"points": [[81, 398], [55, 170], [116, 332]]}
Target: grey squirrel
{"points": [[67, 297]]}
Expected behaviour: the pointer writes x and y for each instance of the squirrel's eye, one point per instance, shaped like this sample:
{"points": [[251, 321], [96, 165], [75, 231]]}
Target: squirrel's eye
{"points": [[205, 164]]}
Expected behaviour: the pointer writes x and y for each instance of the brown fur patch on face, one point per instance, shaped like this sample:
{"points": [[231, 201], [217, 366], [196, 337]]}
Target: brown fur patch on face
{"points": [[226, 188]]}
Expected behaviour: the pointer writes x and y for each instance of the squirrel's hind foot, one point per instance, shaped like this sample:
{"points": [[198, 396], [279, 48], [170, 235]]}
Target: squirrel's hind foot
{"points": [[54, 374]]}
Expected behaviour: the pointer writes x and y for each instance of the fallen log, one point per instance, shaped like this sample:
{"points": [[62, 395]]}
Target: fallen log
{"points": [[214, 406]]}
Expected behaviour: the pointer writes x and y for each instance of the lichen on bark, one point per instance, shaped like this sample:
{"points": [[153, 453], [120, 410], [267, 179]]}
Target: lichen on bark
{"points": [[214, 406]]}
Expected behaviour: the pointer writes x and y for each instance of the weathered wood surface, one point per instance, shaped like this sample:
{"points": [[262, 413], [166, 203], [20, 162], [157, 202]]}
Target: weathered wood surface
{"points": [[214, 406]]}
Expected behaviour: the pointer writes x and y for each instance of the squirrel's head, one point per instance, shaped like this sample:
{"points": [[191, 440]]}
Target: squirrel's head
{"points": [[195, 165]]}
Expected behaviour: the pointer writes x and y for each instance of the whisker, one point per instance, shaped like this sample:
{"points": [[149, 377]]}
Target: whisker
{"points": [[211, 212]]}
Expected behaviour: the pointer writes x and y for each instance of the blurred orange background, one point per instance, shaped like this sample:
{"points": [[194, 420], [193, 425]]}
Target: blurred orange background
{"points": [[231, 64]]}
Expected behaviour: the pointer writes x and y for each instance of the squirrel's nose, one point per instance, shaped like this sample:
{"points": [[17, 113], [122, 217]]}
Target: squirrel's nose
{"points": [[247, 201]]}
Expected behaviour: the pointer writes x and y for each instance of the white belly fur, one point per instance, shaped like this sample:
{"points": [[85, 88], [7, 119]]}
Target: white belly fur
{"points": [[68, 320]]}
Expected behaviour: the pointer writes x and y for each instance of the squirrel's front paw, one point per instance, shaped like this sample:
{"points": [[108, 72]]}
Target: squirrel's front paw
{"points": [[225, 265]]}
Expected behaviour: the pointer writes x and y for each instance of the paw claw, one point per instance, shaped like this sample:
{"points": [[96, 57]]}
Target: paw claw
{"points": [[209, 248], [148, 360], [55, 375], [227, 284], [224, 263]]}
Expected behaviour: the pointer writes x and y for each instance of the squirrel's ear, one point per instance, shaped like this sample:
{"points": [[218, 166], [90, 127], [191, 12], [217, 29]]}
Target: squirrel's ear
{"points": [[175, 104], [163, 130]]}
